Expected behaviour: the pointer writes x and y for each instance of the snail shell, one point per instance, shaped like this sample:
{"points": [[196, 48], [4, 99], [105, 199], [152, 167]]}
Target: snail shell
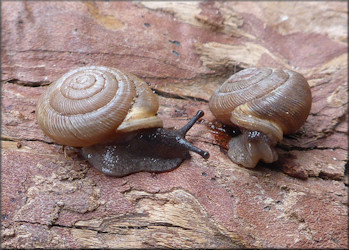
{"points": [[88, 105], [265, 103], [112, 115]]}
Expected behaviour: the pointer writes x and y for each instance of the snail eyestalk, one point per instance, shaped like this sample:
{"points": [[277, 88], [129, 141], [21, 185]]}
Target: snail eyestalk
{"points": [[190, 124], [191, 147], [183, 131]]}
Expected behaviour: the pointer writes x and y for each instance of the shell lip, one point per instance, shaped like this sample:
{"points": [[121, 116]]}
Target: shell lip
{"points": [[253, 123], [148, 122]]}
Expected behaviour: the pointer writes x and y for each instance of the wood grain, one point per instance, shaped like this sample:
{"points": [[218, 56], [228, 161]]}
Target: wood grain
{"points": [[52, 198]]}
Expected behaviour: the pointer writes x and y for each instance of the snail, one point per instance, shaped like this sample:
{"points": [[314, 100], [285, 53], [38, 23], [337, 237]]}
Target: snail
{"points": [[112, 117], [265, 104]]}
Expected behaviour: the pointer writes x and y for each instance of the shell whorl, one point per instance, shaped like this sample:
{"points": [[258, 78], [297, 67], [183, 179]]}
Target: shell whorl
{"points": [[272, 101], [87, 105]]}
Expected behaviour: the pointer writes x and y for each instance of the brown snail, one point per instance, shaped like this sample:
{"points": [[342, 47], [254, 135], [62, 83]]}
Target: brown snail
{"points": [[264, 103], [113, 116]]}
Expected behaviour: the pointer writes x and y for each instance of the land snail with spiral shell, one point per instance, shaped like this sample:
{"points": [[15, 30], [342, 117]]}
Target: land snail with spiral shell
{"points": [[264, 103], [112, 116]]}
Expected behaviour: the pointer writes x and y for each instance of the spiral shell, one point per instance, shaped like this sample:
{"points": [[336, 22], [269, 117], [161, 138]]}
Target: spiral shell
{"points": [[91, 104], [272, 101]]}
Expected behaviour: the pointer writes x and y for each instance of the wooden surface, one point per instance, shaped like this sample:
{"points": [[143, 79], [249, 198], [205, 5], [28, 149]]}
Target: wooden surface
{"points": [[184, 50]]}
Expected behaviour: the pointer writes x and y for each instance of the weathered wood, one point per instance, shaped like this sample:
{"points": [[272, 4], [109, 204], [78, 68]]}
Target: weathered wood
{"points": [[185, 50]]}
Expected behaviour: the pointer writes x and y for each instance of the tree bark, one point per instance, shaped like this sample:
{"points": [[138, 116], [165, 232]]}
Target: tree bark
{"points": [[184, 50]]}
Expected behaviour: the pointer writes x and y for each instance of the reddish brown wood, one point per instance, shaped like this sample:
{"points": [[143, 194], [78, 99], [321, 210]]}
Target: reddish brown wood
{"points": [[185, 50]]}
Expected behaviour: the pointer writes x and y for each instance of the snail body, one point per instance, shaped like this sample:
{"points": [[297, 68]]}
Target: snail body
{"points": [[112, 116], [264, 103]]}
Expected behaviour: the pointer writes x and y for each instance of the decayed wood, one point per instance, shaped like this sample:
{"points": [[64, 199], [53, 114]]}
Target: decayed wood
{"points": [[185, 50]]}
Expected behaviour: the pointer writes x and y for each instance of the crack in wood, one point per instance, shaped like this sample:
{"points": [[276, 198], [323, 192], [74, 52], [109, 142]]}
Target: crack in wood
{"points": [[138, 55], [29, 140], [177, 96], [136, 227], [27, 83], [292, 148]]}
